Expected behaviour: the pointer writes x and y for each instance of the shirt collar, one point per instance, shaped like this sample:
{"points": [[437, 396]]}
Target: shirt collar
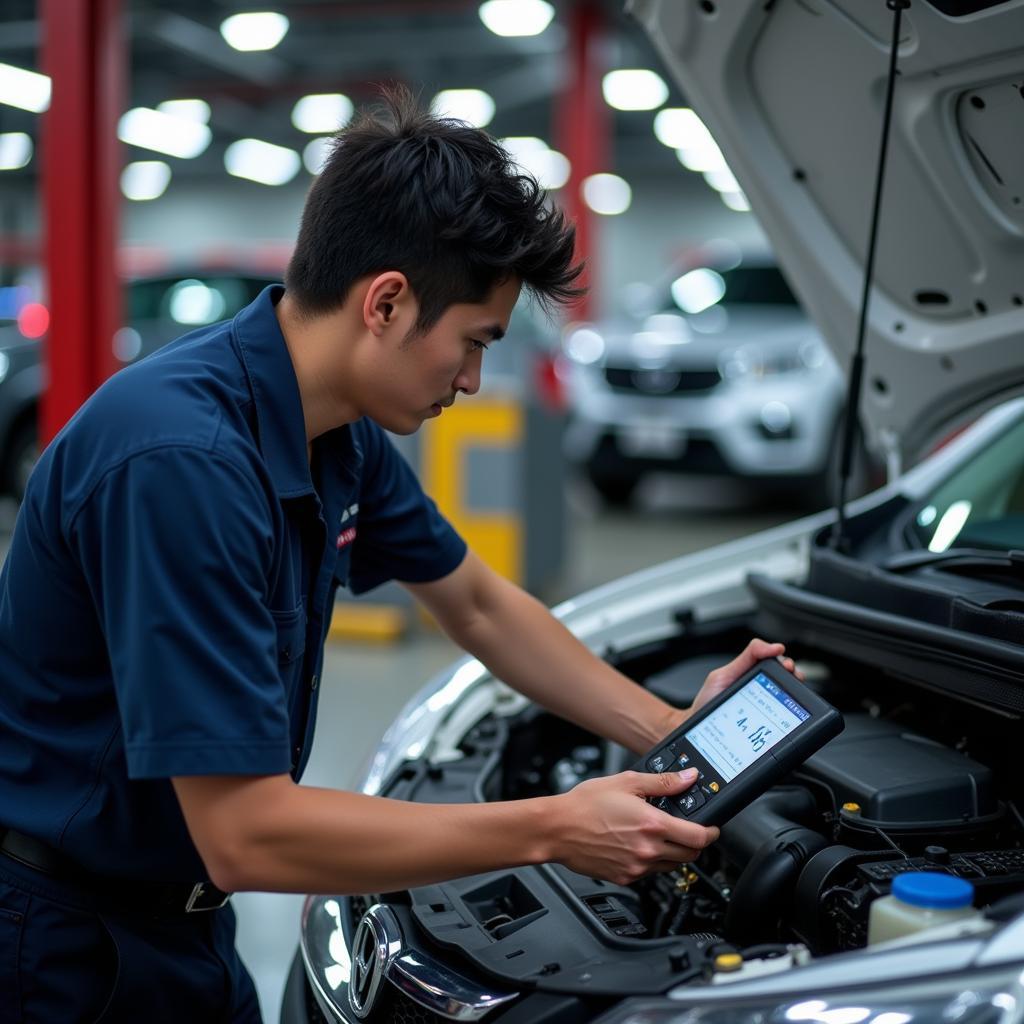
{"points": [[275, 390]]}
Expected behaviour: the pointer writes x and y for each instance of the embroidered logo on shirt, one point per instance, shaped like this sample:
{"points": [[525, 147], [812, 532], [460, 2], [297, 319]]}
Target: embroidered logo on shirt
{"points": [[348, 533]]}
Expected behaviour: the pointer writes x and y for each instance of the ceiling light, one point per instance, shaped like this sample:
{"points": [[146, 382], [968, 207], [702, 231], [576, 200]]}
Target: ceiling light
{"points": [[550, 168], [722, 180], [145, 179], [698, 290], [256, 30], [680, 128], [27, 90], [471, 105], [315, 155], [736, 201], [188, 110], [322, 112], [15, 150], [516, 17], [705, 157], [634, 89], [518, 146], [607, 193], [163, 133], [261, 161]]}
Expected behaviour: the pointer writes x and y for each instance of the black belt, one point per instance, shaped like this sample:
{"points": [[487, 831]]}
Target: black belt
{"points": [[140, 897]]}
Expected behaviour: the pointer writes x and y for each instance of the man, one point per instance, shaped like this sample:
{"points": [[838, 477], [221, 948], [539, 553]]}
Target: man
{"points": [[170, 581]]}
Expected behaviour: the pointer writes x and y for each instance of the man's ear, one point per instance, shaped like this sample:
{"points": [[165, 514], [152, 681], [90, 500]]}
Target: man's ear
{"points": [[388, 303]]}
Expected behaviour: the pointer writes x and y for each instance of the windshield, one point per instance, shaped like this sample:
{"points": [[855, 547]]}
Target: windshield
{"points": [[982, 505], [704, 288]]}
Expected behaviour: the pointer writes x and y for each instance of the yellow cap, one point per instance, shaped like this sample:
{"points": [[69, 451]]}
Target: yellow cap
{"points": [[713, 786], [851, 808], [726, 962]]}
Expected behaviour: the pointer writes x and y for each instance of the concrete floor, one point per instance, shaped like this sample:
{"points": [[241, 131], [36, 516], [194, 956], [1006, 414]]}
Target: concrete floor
{"points": [[365, 686]]}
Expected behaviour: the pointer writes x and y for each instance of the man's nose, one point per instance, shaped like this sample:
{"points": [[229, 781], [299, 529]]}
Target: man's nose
{"points": [[468, 378]]}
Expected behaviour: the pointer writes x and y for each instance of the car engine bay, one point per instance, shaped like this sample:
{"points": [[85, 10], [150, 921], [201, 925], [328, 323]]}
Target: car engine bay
{"points": [[919, 780]]}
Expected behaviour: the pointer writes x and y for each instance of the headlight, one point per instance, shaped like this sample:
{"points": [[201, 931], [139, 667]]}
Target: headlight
{"points": [[989, 997]]}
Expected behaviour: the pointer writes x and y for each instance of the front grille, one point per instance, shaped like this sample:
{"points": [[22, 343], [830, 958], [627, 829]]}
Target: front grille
{"points": [[661, 382]]}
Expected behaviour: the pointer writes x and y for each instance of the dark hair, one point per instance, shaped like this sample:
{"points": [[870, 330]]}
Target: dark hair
{"points": [[439, 201]]}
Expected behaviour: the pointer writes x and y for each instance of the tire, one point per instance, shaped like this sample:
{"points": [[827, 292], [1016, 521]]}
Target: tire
{"points": [[616, 489]]}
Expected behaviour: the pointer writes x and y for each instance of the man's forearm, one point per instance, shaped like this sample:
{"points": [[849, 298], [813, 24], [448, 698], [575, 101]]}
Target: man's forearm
{"points": [[516, 637], [302, 839]]}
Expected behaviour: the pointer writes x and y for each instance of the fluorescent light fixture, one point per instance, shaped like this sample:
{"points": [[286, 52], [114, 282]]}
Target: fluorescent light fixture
{"points": [[698, 290], [163, 133], [27, 90], [474, 106], [145, 179], [15, 150], [188, 110], [261, 161], [315, 155], [322, 112], [550, 168], [707, 157], [607, 193], [254, 30], [680, 128], [722, 180], [735, 201], [634, 89], [520, 146], [516, 17]]}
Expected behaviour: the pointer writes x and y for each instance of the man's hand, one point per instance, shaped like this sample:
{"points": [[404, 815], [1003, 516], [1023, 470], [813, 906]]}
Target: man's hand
{"points": [[608, 830]]}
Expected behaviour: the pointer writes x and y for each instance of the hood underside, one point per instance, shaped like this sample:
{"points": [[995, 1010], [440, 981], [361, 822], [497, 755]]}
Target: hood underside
{"points": [[793, 92]]}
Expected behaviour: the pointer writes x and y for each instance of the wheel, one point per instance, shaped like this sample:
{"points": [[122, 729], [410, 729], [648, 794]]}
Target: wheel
{"points": [[615, 488], [20, 459]]}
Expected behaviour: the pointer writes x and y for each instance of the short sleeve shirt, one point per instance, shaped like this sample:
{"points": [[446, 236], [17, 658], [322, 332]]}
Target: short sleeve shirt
{"points": [[165, 600]]}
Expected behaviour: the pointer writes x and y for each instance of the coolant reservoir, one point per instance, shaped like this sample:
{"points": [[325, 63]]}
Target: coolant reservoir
{"points": [[919, 900]]}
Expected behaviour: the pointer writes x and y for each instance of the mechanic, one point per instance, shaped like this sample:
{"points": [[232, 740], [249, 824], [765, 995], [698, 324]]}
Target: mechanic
{"points": [[170, 582]]}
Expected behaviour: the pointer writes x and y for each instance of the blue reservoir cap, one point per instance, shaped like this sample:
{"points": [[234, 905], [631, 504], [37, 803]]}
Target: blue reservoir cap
{"points": [[933, 890]]}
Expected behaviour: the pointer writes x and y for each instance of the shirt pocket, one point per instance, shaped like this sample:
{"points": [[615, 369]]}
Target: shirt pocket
{"points": [[291, 637]]}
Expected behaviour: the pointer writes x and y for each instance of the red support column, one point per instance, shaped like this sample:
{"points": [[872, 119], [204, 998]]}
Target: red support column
{"points": [[84, 55], [583, 134]]}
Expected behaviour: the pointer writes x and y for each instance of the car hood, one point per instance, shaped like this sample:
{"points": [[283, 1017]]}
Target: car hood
{"points": [[793, 92]]}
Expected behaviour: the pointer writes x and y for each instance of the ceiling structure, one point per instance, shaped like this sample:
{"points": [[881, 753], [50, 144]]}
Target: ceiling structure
{"points": [[348, 46]]}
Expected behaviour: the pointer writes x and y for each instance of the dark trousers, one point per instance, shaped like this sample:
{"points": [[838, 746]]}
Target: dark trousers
{"points": [[67, 959]]}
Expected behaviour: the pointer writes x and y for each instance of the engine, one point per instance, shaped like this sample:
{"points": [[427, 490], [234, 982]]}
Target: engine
{"points": [[804, 862]]}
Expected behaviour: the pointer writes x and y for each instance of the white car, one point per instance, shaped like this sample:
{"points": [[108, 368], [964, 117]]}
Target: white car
{"points": [[909, 617], [725, 376]]}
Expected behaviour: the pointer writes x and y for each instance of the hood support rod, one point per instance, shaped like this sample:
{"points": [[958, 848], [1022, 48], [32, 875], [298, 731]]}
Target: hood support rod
{"points": [[851, 423]]}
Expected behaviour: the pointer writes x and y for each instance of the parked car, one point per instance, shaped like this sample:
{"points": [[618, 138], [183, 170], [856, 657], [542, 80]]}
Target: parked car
{"points": [[159, 308], [724, 375], [910, 621]]}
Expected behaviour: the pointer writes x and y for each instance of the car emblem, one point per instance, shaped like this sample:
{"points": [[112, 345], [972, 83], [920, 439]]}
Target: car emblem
{"points": [[373, 948]]}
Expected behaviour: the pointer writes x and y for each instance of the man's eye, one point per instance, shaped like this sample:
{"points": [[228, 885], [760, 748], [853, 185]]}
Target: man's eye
{"points": [[478, 345]]}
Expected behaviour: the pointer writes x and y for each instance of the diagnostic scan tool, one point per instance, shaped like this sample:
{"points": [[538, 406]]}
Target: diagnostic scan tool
{"points": [[746, 739]]}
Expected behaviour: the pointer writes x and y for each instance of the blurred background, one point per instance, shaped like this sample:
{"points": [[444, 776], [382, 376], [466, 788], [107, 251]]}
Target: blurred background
{"points": [[154, 158]]}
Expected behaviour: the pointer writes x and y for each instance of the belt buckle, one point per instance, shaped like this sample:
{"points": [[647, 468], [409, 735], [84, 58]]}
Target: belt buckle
{"points": [[205, 896]]}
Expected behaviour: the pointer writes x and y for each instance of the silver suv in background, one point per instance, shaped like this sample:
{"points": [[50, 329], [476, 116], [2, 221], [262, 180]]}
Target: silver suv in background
{"points": [[724, 375]]}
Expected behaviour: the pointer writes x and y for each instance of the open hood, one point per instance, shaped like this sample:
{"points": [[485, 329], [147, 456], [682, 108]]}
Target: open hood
{"points": [[793, 92]]}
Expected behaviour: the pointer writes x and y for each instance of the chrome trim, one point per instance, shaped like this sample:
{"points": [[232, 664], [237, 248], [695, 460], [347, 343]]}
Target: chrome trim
{"points": [[378, 940], [379, 952]]}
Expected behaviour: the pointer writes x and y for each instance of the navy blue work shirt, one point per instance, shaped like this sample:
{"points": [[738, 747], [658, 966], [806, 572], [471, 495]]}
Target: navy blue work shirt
{"points": [[169, 586]]}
